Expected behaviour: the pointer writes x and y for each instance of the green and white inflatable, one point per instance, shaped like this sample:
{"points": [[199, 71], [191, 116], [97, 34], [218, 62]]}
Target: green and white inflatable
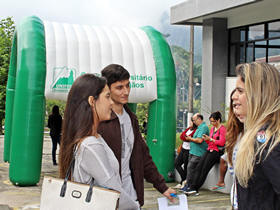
{"points": [[46, 59]]}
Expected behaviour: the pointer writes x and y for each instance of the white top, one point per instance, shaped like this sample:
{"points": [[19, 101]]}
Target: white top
{"points": [[187, 145], [94, 158], [233, 192], [127, 146]]}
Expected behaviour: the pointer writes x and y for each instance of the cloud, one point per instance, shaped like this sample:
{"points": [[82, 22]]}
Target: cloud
{"points": [[92, 12]]}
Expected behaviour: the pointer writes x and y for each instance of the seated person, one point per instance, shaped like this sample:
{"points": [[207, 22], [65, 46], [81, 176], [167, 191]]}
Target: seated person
{"points": [[198, 147], [216, 138], [183, 155]]}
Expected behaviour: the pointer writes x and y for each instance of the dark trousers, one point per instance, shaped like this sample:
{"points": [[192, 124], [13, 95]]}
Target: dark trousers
{"points": [[193, 162], [182, 158], [55, 141], [205, 164]]}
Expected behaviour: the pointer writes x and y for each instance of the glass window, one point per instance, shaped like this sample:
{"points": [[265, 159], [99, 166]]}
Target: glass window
{"points": [[274, 56], [274, 42], [234, 50], [250, 53], [256, 32], [260, 43], [274, 29], [235, 35], [242, 54], [242, 34], [260, 55]]}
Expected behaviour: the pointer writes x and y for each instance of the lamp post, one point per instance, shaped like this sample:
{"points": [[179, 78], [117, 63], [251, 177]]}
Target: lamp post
{"points": [[190, 97], [197, 85], [183, 110], [184, 117]]}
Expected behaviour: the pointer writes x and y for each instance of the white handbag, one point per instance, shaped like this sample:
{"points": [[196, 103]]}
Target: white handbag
{"points": [[59, 194]]}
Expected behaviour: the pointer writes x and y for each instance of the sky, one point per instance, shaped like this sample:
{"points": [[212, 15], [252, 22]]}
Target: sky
{"points": [[90, 12]]}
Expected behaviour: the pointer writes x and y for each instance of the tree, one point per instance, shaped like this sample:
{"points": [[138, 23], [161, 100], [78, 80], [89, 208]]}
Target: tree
{"points": [[7, 29], [141, 112], [181, 60]]}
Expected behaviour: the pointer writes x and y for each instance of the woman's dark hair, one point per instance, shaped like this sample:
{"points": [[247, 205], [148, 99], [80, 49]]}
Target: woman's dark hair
{"points": [[78, 116], [55, 110], [194, 125], [216, 116], [114, 73]]}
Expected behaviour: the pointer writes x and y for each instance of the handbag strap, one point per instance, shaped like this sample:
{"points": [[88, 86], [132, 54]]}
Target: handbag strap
{"points": [[64, 186]]}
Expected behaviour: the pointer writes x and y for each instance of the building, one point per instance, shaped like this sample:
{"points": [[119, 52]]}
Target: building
{"points": [[234, 31]]}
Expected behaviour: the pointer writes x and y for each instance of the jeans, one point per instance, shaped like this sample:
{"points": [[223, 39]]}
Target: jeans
{"points": [[205, 164], [183, 158], [55, 141], [193, 161]]}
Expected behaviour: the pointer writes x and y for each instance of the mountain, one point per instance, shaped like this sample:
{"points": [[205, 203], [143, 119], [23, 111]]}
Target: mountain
{"points": [[179, 35]]}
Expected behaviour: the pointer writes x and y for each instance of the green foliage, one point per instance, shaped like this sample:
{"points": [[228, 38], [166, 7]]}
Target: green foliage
{"points": [[49, 105], [7, 29], [181, 60], [142, 113], [178, 140]]}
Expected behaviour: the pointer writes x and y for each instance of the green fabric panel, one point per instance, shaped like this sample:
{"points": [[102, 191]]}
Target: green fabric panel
{"points": [[29, 104], [132, 107], [10, 93], [162, 118]]}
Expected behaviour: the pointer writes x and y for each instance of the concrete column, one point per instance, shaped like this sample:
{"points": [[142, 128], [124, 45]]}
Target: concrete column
{"points": [[214, 66]]}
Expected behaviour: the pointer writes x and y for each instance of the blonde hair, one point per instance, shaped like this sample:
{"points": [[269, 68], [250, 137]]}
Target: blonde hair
{"points": [[262, 88]]}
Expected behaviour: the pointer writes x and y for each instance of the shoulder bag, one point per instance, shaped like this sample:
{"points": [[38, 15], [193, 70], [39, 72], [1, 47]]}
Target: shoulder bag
{"points": [[59, 194]]}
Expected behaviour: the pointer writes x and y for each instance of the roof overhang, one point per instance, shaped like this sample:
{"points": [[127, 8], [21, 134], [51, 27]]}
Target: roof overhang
{"points": [[237, 12]]}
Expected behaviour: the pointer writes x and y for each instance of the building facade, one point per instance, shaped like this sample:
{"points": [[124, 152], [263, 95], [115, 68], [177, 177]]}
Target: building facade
{"points": [[233, 32]]}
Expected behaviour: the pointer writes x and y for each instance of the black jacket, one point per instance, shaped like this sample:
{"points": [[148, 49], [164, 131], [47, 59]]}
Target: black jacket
{"points": [[263, 191], [55, 124]]}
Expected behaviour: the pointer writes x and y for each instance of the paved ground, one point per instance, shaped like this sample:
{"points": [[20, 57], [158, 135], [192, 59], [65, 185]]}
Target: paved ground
{"points": [[13, 197]]}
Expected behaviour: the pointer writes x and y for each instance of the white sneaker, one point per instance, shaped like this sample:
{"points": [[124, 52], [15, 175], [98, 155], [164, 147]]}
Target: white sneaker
{"points": [[190, 192], [184, 183], [178, 186]]}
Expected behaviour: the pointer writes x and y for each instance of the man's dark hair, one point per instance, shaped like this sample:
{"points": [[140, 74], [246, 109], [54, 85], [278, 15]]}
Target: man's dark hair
{"points": [[114, 73], [200, 116]]}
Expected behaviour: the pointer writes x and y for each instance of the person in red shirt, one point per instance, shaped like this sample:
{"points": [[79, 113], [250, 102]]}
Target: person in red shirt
{"points": [[183, 156]]}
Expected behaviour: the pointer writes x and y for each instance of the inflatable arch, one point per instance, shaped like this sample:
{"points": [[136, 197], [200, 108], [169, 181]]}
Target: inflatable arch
{"points": [[45, 60]]}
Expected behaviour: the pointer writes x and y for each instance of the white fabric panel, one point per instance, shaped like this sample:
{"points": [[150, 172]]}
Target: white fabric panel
{"points": [[76, 49]]}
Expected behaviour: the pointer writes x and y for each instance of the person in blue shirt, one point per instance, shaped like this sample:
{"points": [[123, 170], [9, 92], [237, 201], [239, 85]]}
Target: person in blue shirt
{"points": [[198, 147]]}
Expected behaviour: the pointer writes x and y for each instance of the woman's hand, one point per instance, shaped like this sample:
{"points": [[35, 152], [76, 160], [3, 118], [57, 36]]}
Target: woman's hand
{"points": [[205, 137]]}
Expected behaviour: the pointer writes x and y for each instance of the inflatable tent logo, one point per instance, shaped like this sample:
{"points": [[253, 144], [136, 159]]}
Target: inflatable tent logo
{"points": [[63, 78]]}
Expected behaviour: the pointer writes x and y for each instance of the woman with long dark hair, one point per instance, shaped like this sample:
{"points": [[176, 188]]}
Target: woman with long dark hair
{"points": [[88, 104], [183, 156]]}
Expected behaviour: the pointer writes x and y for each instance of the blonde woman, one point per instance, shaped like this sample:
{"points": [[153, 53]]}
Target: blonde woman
{"points": [[257, 101]]}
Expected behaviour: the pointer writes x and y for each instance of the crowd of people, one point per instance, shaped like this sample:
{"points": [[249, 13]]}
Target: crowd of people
{"points": [[103, 136], [203, 152], [251, 139]]}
